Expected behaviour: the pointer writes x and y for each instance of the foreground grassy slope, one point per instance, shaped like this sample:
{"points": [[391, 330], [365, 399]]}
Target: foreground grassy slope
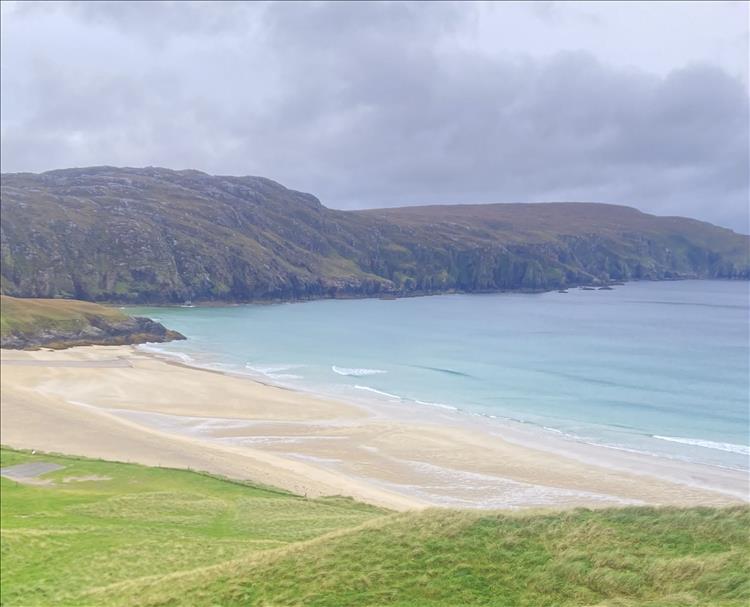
{"points": [[64, 322], [162, 537], [60, 541], [627, 557], [156, 235]]}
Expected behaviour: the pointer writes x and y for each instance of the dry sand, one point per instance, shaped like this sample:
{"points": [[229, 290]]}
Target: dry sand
{"points": [[119, 403]]}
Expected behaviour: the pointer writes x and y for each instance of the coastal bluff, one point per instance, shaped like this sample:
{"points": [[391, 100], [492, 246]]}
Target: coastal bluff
{"points": [[58, 323]]}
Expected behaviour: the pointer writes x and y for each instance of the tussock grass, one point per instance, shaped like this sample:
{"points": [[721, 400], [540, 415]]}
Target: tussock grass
{"points": [[157, 537]]}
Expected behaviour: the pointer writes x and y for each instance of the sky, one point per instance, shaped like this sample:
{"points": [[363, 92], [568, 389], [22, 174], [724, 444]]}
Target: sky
{"points": [[373, 104]]}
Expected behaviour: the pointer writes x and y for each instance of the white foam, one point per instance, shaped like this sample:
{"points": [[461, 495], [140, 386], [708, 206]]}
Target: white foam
{"points": [[181, 356], [439, 405], [356, 372], [707, 444], [275, 371], [269, 368], [386, 394], [668, 456]]}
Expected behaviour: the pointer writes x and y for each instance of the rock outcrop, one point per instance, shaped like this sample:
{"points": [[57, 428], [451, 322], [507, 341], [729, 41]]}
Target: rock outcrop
{"points": [[60, 323], [132, 331]]}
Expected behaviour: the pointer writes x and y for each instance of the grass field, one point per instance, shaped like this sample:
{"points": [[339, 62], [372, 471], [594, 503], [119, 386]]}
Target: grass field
{"points": [[31, 315], [60, 541], [151, 536]]}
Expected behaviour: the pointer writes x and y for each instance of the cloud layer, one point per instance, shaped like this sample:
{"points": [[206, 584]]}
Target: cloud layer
{"points": [[376, 104]]}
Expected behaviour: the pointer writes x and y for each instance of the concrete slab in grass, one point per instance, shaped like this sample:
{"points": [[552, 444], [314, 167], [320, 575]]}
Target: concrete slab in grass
{"points": [[28, 473]]}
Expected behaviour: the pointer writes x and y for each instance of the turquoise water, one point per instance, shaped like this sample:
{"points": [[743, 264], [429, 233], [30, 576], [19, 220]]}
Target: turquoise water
{"points": [[655, 367]]}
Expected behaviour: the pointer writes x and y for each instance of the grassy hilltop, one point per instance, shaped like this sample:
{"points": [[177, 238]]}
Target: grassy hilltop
{"points": [[156, 235], [60, 323], [99, 533]]}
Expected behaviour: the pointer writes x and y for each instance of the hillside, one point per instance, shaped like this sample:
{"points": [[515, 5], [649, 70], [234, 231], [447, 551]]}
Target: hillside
{"points": [[156, 235], [89, 524], [99, 533], [62, 323]]}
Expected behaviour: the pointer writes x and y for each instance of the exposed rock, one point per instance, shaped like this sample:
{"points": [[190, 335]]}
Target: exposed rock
{"points": [[134, 330], [63, 323], [161, 236]]}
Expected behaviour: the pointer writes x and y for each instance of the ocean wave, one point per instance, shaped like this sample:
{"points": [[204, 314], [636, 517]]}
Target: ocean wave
{"points": [[275, 371], [707, 444], [181, 356], [368, 389], [356, 372], [439, 405]]}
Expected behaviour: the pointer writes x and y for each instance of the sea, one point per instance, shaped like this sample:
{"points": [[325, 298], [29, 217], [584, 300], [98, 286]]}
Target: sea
{"points": [[661, 368]]}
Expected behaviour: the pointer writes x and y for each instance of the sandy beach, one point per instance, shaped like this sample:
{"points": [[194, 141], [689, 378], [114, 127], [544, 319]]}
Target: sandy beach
{"points": [[120, 403]]}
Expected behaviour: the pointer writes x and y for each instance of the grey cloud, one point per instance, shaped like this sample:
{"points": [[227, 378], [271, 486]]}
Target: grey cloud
{"points": [[378, 104], [559, 12], [156, 22]]}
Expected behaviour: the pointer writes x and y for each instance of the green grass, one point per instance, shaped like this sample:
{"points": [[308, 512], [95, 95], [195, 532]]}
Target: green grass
{"points": [[163, 537], [29, 316], [58, 542]]}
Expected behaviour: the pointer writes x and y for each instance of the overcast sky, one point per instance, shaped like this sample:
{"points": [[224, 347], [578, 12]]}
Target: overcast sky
{"points": [[384, 104]]}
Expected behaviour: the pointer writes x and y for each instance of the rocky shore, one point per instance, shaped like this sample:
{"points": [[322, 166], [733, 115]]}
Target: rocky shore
{"points": [[98, 333]]}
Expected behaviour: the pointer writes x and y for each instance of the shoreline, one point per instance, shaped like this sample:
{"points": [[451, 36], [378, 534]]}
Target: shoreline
{"points": [[157, 410], [523, 433], [387, 296]]}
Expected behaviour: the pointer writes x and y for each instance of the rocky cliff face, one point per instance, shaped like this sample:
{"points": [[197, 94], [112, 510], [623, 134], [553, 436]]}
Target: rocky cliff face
{"points": [[155, 235]]}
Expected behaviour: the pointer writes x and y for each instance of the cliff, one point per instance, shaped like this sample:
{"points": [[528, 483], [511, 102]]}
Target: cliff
{"points": [[160, 236]]}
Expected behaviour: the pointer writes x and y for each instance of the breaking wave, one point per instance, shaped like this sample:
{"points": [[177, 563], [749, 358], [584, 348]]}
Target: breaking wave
{"points": [[439, 405], [181, 356], [274, 371], [356, 372], [707, 444], [368, 389]]}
